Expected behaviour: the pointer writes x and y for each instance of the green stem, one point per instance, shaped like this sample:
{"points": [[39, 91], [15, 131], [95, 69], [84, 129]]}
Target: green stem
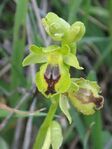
{"points": [[44, 127]]}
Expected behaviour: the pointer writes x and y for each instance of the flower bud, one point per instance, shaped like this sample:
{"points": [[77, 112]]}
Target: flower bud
{"points": [[59, 30], [55, 26], [76, 32]]}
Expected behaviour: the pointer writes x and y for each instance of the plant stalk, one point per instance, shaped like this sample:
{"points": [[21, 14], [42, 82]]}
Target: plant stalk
{"points": [[44, 127]]}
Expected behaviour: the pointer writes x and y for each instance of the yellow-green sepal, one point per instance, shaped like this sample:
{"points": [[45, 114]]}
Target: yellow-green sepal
{"points": [[33, 59], [71, 60], [64, 82], [40, 80], [36, 56]]}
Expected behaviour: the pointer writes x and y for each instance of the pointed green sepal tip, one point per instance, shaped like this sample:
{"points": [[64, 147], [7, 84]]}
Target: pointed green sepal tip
{"points": [[86, 99], [71, 60]]}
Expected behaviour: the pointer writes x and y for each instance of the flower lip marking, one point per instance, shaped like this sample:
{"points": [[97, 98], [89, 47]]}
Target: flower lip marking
{"points": [[51, 76], [86, 96]]}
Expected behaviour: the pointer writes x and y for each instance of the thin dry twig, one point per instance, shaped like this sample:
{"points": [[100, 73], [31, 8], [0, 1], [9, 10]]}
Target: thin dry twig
{"points": [[5, 69], [27, 137], [74, 143], [32, 67], [18, 132], [44, 5], [37, 14], [22, 100]]}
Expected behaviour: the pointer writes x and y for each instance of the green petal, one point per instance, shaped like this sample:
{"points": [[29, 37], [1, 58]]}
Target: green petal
{"points": [[71, 60], [35, 49], [64, 82], [50, 48], [34, 58]]}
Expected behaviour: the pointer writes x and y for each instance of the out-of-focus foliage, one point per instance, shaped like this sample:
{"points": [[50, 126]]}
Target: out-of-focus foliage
{"points": [[19, 27]]}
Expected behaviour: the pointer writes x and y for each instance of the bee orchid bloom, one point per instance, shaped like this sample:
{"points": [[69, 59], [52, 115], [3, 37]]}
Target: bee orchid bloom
{"points": [[85, 97], [55, 68]]}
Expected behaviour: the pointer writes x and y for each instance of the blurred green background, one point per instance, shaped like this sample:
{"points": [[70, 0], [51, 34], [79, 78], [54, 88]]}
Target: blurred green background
{"points": [[20, 25]]}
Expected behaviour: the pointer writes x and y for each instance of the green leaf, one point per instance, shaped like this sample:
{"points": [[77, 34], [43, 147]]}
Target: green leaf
{"points": [[72, 60], [47, 141], [19, 40], [34, 58], [74, 7], [3, 144], [63, 103], [56, 135]]}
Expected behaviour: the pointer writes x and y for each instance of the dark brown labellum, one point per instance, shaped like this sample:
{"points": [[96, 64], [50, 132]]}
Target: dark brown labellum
{"points": [[52, 75], [86, 96]]}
